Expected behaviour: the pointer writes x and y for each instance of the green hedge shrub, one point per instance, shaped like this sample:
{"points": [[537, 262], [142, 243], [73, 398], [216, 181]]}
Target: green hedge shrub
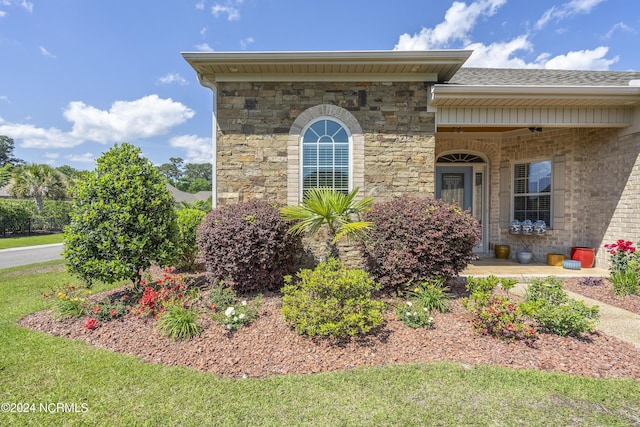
{"points": [[248, 246], [187, 246], [415, 239], [331, 300]]}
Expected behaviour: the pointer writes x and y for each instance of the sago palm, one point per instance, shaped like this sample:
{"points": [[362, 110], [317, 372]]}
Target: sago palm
{"points": [[338, 211]]}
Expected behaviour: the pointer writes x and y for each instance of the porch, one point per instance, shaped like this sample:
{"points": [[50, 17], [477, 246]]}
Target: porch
{"points": [[486, 266]]}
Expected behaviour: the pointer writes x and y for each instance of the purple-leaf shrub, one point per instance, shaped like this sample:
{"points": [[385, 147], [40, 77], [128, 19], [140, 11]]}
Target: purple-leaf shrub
{"points": [[415, 239], [248, 246]]}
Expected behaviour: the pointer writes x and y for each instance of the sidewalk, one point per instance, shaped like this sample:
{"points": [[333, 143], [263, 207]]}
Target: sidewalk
{"points": [[614, 321]]}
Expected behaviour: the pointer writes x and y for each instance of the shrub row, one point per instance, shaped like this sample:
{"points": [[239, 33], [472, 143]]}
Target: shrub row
{"points": [[247, 245]]}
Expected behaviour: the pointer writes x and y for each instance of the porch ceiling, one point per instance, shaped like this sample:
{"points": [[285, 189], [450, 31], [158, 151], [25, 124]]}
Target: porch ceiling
{"points": [[534, 96], [426, 66]]}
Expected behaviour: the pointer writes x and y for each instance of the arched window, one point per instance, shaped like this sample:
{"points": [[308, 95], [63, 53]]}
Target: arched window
{"points": [[326, 155]]}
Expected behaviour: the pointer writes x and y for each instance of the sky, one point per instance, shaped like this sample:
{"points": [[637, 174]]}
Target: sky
{"points": [[79, 76]]}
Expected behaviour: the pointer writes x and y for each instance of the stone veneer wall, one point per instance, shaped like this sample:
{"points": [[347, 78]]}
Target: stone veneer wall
{"points": [[255, 120]]}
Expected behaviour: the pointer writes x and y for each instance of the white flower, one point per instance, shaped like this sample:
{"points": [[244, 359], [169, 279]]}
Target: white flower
{"points": [[430, 319], [235, 318], [229, 326], [230, 311], [408, 313], [244, 302], [425, 309], [241, 316], [409, 303]]}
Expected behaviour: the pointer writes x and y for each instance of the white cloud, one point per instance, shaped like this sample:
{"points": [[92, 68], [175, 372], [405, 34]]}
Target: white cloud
{"points": [[233, 14], [199, 150], [26, 5], [51, 155], [203, 47], [45, 52], [459, 20], [244, 43], [172, 78], [81, 158], [200, 5], [5, 99], [566, 10], [499, 55], [619, 26], [142, 118], [3, 14], [582, 60], [124, 121]]}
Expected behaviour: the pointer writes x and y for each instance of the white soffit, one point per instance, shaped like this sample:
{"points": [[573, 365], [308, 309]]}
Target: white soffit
{"points": [[534, 96], [425, 66]]}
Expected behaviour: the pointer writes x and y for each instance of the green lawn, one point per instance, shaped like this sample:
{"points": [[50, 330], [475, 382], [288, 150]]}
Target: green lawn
{"points": [[18, 242], [111, 389]]}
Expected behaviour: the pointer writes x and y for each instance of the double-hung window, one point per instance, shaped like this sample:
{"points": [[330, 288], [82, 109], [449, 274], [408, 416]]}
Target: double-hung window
{"points": [[532, 187], [325, 156]]}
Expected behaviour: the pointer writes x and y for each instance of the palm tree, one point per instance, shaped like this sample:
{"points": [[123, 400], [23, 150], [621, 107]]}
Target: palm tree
{"points": [[340, 212], [38, 181], [5, 175]]}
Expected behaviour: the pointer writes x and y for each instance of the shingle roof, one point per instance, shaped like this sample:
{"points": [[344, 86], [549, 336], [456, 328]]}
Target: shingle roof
{"points": [[541, 77]]}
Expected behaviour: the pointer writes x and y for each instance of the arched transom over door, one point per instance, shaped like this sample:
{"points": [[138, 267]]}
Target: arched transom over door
{"points": [[461, 178]]}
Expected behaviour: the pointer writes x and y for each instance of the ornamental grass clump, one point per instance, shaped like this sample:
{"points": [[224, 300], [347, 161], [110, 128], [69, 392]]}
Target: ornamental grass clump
{"points": [[248, 246], [179, 321], [414, 239], [331, 300], [69, 301], [431, 294]]}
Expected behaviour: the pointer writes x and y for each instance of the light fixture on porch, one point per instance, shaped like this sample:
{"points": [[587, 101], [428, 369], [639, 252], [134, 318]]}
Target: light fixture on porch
{"points": [[535, 129]]}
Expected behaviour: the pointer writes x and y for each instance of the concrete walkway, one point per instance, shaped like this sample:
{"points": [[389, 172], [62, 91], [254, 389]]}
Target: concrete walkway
{"points": [[614, 321]]}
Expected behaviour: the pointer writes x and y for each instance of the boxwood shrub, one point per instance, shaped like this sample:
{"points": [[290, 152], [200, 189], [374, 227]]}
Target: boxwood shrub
{"points": [[248, 246], [331, 300], [414, 239]]}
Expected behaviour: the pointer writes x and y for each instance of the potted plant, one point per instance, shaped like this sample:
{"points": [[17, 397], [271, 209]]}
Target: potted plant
{"points": [[524, 257], [502, 251]]}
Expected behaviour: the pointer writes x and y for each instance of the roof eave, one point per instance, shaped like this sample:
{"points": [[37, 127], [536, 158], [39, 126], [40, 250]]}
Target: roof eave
{"points": [[429, 63]]}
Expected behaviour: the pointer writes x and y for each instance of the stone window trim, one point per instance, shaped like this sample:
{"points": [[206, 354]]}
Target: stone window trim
{"points": [[294, 143]]}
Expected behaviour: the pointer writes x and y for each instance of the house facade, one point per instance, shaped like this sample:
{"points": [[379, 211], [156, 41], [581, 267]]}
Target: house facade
{"points": [[553, 145]]}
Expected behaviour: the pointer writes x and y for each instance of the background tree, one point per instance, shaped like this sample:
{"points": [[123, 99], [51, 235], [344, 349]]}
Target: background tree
{"points": [[123, 219], [38, 182], [6, 152], [189, 177], [173, 170]]}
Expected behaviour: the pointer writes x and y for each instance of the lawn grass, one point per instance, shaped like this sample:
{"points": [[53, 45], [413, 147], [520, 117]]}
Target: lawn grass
{"points": [[120, 390], [19, 242]]}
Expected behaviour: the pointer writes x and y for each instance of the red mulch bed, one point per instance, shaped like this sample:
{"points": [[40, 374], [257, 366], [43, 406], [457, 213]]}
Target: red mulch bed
{"points": [[271, 347], [603, 293]]}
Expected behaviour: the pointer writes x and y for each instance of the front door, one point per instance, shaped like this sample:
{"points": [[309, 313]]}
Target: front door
{"points": [[464, 186], [453, 185]]}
